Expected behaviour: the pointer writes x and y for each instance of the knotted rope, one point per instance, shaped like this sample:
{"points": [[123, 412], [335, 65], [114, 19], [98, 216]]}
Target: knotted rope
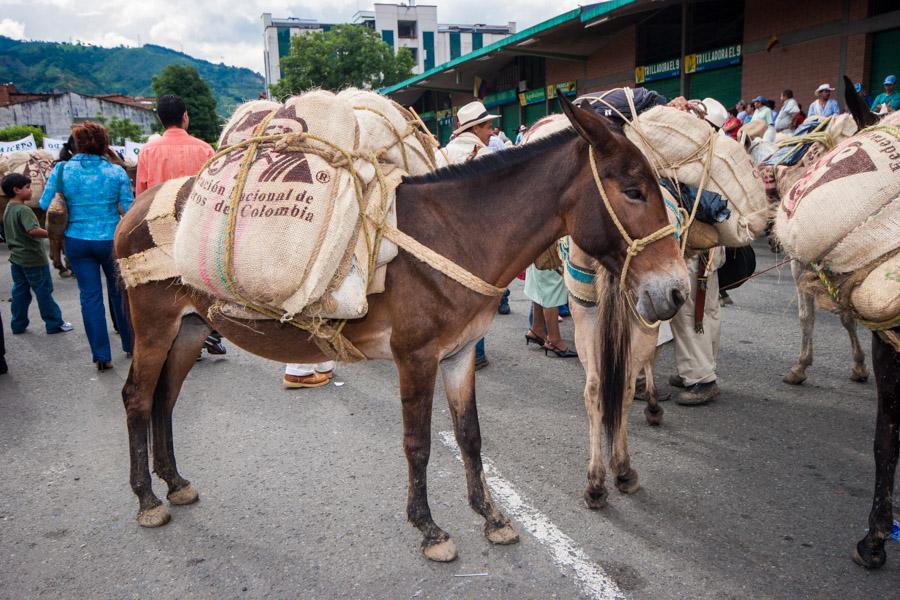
{"points": [[635, 246]]}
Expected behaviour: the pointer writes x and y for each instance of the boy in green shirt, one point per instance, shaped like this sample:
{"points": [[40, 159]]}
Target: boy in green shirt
{"points": [[28, 259]]}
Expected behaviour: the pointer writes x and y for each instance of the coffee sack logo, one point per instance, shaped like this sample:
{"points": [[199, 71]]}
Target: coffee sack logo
{"points": [[289, 168], [847, 161]]}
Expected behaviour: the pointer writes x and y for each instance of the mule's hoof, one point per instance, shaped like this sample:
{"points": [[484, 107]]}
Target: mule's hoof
{"points": [[870, 556], [444, 551], [628, 483], [595, 498], [185, 495], [654, 418], [502, 536], [859, 375], [794, 377], [154, 517]]}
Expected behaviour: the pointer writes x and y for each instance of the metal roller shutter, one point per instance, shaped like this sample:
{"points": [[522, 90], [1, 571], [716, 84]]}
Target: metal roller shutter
{"points": [[535, 111], [722, 84], [670, 88], [510, 120], [885, 59]]}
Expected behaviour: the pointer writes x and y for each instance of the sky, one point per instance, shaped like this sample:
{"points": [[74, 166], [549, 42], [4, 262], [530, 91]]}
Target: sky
{"points": [[224, 30]]}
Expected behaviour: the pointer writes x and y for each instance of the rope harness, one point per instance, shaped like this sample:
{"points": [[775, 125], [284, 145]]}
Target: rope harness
{"points": [[327, 333]]}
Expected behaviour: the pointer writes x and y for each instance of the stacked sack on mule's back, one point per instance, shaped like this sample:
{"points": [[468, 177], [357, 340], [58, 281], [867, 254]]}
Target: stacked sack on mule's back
{"points": [[843, 218], [685, 148], [782, 163], [274, 221]]}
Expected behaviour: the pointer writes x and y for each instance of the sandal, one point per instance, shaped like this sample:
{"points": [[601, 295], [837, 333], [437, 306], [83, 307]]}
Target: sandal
{"points": [[559, 352], [532, 337]]}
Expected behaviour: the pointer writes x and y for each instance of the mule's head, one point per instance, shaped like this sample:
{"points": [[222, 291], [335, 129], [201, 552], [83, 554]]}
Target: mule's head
{"points": [[656, 277]]}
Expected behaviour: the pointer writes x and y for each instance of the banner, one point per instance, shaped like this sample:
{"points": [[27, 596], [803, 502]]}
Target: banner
{"points": [[26, 144], [120, 150], [132, 149], [53, 146]]}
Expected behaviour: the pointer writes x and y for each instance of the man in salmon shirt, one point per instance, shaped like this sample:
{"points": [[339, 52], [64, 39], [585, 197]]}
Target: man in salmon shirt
{"points": [[175, 154]]}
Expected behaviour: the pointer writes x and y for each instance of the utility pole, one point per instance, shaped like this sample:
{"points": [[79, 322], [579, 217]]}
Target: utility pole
{"points": [[684, 18]]}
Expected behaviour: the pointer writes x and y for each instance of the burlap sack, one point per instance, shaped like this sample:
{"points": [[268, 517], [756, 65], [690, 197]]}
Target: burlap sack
{"points": [[845, 209], [36, 165], [297, 215], [878, 297], [674, 141]]}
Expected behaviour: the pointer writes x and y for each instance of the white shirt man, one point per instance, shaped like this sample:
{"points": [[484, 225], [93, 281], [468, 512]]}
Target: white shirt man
{"points": [[789, 109]]}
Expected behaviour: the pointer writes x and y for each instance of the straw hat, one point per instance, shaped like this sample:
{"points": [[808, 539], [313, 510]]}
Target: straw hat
{"points": [[824, 88], [472, 114], [715, 112]]}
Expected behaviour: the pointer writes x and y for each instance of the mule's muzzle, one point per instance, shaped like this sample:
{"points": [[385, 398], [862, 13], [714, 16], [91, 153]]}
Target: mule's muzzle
{"points": [[659, 298]]}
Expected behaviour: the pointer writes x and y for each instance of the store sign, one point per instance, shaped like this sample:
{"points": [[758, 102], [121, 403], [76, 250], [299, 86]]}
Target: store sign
{"points": [[568, 88], [713, 59], [532, 97], [661, 70], [500, 98]]}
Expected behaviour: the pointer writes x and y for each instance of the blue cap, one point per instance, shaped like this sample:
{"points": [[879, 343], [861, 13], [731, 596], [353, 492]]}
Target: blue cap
{"points": [[759, 99], [857, 87], [890, 80]]}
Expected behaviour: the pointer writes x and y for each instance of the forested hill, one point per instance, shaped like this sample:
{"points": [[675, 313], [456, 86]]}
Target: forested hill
{"points": [[92, 70]]}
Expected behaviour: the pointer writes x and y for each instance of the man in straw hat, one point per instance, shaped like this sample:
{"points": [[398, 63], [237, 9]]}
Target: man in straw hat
{"points": [[824, 105], [470, 140]]}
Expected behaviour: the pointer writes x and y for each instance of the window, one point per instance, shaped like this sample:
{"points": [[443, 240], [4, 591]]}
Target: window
{"points": [[406, 30]]}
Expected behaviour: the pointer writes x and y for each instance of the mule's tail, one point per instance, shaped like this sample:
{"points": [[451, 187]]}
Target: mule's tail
{"points": [[613, 349]]}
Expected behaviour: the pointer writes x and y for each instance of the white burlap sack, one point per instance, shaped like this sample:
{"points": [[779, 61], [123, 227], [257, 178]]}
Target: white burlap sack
{"points": [[845, 210], [674, 141], [878, 297], [36, 165], [297, 215]]}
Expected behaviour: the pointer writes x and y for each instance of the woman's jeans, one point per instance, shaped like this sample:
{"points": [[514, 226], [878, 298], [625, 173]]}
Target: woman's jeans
{"points": [[88, 257]]}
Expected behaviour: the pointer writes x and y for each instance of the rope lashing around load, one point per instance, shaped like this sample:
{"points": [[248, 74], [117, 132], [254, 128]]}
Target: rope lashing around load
{"points": [[840, 291], [327, 333], [635, 246]]}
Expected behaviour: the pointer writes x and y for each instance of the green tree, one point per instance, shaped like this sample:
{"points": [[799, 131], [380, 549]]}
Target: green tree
{"points": [[17, 132], [347, 55], [184, 82], [121, 129]]}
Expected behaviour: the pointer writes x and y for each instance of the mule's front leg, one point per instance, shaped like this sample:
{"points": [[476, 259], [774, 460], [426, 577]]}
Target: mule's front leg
{"points": [[620, 461], [417, 376], [459, 383], [585, 319], [886, 363]]}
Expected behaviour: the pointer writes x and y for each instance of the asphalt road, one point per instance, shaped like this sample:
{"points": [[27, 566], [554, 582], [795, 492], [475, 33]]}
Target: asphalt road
{"points": [[761, 494]]}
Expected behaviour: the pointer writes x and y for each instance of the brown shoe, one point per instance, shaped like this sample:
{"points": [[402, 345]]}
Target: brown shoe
{"points": [[699, 393], [306, 381]]}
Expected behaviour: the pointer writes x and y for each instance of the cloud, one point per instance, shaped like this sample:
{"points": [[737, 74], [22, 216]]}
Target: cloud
{"points": [[12, 29], [223, 30]]}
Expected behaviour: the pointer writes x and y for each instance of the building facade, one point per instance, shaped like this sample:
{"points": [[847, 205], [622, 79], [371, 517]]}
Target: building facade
{"points": [[55, 113], [411, 26], [700, 48]]}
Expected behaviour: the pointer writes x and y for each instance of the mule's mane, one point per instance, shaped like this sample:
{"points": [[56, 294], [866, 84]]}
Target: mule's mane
{"points": [[495, 161]]}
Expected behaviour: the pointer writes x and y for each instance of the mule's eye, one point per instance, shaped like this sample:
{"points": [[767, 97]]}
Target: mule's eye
{"points": [[635, 194]]}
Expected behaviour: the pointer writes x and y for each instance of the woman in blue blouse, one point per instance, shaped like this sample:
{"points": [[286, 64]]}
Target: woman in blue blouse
{"points": [[95, 191]]}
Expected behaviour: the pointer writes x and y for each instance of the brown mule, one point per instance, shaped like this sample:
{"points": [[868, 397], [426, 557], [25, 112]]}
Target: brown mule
{"points": [[492, 216]]}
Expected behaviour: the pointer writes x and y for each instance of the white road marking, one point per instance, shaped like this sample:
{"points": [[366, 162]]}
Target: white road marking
{"points": [[592, 579]]}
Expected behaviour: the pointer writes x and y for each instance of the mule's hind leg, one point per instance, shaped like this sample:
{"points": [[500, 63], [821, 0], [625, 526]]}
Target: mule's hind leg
{"points": [[417, 375], [806, 307], [151, 348], [886, 364], [858, 372], [459, 383], [181, 358]]}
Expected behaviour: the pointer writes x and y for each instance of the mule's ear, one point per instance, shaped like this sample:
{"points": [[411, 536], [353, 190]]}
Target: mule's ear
{"points": [[589, 125]]}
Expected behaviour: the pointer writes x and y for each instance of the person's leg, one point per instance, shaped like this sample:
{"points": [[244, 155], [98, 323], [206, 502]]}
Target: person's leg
{"points": [[538, 327], [551, 321], [21, 299], [481, 360], [503, 309], [116, 296], [42, 283], [3, 367], [695, 353], [325, 368], [90, 288]]}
